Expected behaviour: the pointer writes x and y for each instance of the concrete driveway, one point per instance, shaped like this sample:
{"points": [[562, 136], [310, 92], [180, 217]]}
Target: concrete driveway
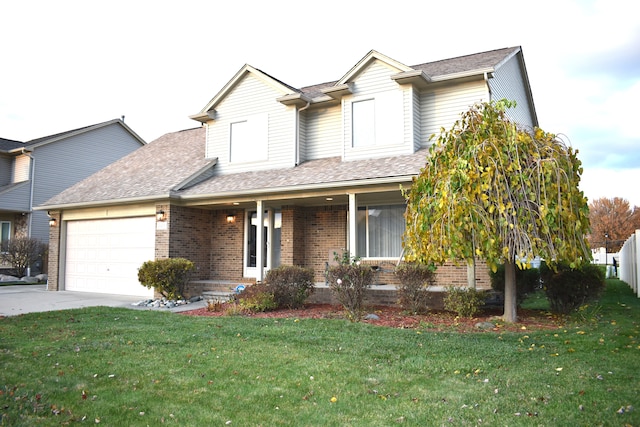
{"points": [[20, 299]]}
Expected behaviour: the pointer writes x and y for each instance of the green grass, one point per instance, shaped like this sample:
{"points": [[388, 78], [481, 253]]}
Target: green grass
{"points": [[157, 368]]}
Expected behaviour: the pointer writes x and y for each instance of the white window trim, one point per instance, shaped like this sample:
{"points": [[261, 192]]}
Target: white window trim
{"points": [[255, 141], [388, 110], [366, 257]]}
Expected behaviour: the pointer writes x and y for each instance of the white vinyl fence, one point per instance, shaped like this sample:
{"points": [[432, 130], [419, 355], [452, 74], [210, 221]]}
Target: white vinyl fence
{"points": [[630, 262]]}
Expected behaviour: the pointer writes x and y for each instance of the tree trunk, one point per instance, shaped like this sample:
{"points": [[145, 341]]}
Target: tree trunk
{"points": [[510, 292], [471, 273]]}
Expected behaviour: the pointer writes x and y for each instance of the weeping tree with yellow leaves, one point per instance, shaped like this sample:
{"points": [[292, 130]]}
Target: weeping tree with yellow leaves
{"points": [[494, 191]]}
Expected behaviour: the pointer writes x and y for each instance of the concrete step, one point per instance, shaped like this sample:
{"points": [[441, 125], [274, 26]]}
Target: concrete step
{"points": [[221, 296]]}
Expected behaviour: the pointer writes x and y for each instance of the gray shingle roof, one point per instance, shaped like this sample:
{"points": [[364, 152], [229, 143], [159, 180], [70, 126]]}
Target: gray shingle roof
{"points": [[476, 61], [152, 170], [9, 144], [324, 172]]}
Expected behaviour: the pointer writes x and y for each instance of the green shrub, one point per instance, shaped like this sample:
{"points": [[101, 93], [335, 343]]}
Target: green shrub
{"points": [[256, 299], [567, 288], [464, 302], [348, 284], [291, 285], [168, 276], [413, 293], [527, 281]]}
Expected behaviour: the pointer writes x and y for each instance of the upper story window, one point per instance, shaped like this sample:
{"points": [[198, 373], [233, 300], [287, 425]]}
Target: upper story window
{"points": [[377, 120], [21, 166], [363, 116], [380, 230], [248, 139]]}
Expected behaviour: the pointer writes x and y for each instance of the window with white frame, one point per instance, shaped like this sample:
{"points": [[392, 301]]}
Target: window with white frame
{"points": [[363, 123], [380, 230], [377, 120], [5, 232], [248, 139]]}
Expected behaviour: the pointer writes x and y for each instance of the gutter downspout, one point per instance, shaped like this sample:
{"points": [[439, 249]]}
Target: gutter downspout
{"points": [[487, 76], [297, 147], [32, 177]]}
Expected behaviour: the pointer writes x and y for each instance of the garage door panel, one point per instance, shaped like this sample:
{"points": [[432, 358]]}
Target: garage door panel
{"points": [[104, 255]]}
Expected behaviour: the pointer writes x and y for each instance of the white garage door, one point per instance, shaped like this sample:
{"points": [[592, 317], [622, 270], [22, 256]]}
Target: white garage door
{"points": [[104, 255]]}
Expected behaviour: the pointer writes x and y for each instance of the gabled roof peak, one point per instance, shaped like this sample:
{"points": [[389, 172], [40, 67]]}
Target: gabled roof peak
{"points": [[366, 60]]}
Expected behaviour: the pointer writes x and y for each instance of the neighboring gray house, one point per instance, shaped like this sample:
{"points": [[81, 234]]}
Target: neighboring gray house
{"points": [[277, 175], [34, 171]]}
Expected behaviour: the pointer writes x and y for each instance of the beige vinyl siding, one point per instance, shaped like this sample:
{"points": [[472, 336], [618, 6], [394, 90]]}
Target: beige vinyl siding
{"points": [[416, 116], [323, 132], [508, 82], [21, 167], [251, 97], [441, 107], [302, 135], [393, 121]]}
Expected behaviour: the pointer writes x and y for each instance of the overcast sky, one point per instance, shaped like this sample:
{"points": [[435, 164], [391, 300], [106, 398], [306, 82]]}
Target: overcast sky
{"points": [[68, 64]]}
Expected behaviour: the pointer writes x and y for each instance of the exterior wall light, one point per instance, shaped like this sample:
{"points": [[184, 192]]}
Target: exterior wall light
{"points": [[52, 222], [161, 216], [231, 218]]}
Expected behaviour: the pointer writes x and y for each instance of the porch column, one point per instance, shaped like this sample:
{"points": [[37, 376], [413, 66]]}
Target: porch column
{"points": [[260, 241], [353, 231]]}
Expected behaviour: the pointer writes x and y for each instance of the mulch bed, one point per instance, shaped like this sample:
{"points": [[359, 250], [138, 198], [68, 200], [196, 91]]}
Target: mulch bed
{"points": [[394, 317]]}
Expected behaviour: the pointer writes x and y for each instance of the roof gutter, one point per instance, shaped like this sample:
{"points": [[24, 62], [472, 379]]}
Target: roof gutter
{"points": [[281, 191], [292, 189], [110, 202]]}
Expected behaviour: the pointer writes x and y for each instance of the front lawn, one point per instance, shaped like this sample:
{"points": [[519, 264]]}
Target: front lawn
{"points": [[127, 367]]}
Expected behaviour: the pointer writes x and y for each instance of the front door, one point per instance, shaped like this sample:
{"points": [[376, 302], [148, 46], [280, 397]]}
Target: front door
{"points": [[270, 249]]}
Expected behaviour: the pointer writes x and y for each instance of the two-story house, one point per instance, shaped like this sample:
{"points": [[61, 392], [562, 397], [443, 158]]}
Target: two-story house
{"points": [[277, 175], [32, 172]]}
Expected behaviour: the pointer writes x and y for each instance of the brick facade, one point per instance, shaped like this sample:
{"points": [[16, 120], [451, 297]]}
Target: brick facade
{"points": [[53, 281], [309, 236]]}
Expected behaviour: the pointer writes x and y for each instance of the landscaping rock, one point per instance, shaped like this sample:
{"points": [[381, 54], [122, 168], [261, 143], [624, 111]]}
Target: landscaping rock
{"points": [[29, 279], [163, 303], [485, 325], [371, 316], [7, 278]]}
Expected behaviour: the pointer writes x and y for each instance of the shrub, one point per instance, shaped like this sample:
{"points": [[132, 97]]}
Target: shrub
{"points": [[464, 302], [567, 288], [413, 292], [348, 283], [290, 285], [527, 281], [21, 253], [168, 276], [256, 299]]}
